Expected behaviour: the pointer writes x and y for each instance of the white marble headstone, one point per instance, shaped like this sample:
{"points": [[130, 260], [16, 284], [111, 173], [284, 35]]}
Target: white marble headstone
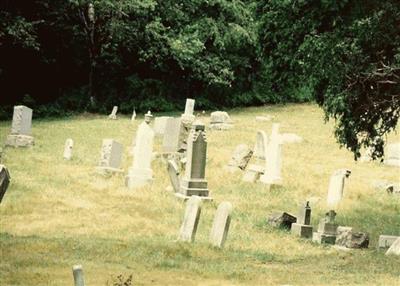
{"points": [[69, 144], [221, 223], [336, 187], [392, 155], [113, 114], [22, 120], [191, 219]]}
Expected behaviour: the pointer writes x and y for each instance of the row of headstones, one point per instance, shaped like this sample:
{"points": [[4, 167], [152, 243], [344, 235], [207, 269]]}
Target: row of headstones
{"points": [[220, 226], [329, 232]]}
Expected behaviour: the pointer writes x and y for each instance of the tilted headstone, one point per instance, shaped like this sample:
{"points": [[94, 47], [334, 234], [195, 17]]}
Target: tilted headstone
{"points": [[194, 182], [326, 229], [77, 271], [336, 187], [140, 173], [240, 158], [69, 144], [4, 181], [346, 237], [173, 172], [282, 220], [160, 124], [302, 227], [220, 120], [189, 109], [221, 223], [272, 175], [253, 173], [171, 135], [21, 128], [191, 219], [257, 167], [110, 157], [394, 249], [385, 241], [113, 114], [392, 155], [133, 117]]}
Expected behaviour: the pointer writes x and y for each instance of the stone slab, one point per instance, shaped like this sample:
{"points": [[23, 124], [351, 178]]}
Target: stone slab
{"points": [[191, 219], [282, 220], [301, 230], [385, 241], [394, 249], [19, 141], [173, 172], [323, 238], [4, 181], [221, 223]]}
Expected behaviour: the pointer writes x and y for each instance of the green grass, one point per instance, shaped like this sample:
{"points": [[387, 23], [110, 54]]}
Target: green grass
{"points": [[59, 213]]}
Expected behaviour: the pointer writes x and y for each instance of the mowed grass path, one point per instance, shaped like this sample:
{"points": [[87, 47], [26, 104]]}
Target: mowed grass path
{"points": [[58, 213]]}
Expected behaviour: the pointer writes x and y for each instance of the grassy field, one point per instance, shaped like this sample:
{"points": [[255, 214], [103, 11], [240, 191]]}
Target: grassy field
{"points": [[58, 213]]}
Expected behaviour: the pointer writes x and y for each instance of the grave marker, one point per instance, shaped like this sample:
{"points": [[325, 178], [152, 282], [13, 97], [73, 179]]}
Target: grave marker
{"points": [[21, 128], [191, 220], [221, 223]]}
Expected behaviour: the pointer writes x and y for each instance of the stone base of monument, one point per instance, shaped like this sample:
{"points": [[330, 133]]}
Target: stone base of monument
{"points": [[138, 178], [302, 230], [269, 181], [253, 173], [193, 188], [20, 140], [108, 171], [323, 238], [221, 126], [185, 197]]}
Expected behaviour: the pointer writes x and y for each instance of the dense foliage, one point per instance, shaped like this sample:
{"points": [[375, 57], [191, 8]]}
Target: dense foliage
{"points": [[59, 56]]}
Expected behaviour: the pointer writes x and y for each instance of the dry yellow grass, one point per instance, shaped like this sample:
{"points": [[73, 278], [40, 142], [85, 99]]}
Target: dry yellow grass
{"points": [[58, 213]]}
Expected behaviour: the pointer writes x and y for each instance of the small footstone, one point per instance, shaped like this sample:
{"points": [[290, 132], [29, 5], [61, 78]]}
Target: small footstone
{"points": [[347, 238], [191, 220], [4, 181], [221, 223], [394, 248], [385, 241], [282, 220]]}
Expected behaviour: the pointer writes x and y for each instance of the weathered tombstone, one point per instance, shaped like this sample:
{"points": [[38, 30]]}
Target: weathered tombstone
{"points": [[160, 124], [133, 117], [189, 109], [394, 249], [302, 227], [346, 237], [336, 187], [110, 158], [290, 138], [191, 219], [261, 146], [282, 220], [171, 135], [220, 120], [257, 168], [385, 241], [272, 175], [392, 155], [173, 172], [69, 144], [113, 114], [221, 223], [4, 181], [21, 128], [194, 182], [77, 271], [240, 158], [140, 173], [326, 229]]}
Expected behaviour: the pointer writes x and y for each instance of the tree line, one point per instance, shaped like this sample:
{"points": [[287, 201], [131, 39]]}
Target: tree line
{"points": [[65, 56]]}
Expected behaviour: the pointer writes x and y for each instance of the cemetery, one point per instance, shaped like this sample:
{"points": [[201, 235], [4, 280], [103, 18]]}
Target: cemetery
{"points": [[199, 142], [181, 211]]}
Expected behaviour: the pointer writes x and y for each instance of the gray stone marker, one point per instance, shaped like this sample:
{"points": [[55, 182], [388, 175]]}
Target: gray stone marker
{"points": [[69, 144], [160, 124], [392, 155], [171, 135], [336, 187], [220, 120], [273, 162], [21, 128], [113, 114], [282, 220], [133, 118], [385, 241], [326, 229], [140, 173], [191, 219], [77, 271], [173, 172], [394, 249], [194, 182], [4, 181], [189, 109], [240, 158], [302, 227], [221, 223], [261, 146], [346, 237], [110, 158]]}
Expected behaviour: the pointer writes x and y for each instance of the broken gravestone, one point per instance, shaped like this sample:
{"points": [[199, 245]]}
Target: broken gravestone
{"points": [[346, 237], [282, 220]]}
